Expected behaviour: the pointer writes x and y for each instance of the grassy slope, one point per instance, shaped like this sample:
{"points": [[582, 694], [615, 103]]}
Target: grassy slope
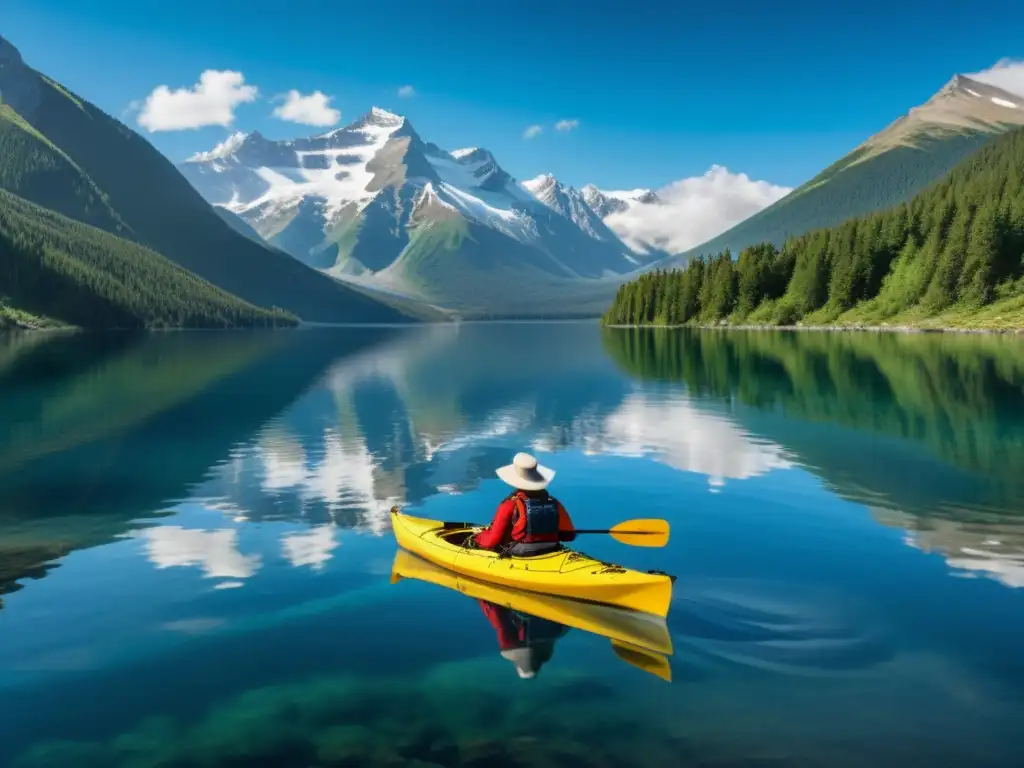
{"points": [[79, 275], [846, 189], [453, 263], [164, 212]]}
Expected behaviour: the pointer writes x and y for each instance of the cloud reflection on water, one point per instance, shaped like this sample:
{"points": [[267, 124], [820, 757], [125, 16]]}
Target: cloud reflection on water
{"points": [[215, 552]]}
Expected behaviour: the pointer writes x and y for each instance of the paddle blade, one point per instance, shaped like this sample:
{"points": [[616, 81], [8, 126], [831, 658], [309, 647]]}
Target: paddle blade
{"points": [[641, 658], [641, 533]]}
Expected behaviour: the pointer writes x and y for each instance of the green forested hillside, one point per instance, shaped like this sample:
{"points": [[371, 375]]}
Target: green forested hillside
{"points": [[57, 271], [954, 255], [33, 168], [847, 188], [59, 151]]}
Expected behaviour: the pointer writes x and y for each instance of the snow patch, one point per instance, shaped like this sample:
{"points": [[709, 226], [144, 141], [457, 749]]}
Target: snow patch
{"points": [[1003, 102], [492, 210], [460, 153], [459, 191], [384, 116], [973, 93]]}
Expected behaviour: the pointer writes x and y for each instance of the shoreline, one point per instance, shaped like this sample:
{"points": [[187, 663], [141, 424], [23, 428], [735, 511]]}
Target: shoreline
{"points": [[834, 328]]}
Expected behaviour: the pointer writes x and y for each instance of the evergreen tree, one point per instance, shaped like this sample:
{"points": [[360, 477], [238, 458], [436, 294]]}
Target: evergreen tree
{"points": [[978, 278]]}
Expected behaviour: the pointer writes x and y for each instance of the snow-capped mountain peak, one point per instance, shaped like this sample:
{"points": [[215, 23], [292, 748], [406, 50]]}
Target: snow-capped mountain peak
{"points": [[647, 196], [487, 174], [376, 119], [605, 203], [544, 183], [383, 117], [373, 202], [224, 149], [963, 105], [570, 203]]}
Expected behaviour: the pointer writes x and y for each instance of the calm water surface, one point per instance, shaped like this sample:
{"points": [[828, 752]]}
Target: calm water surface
{"points": [[196, 564]]}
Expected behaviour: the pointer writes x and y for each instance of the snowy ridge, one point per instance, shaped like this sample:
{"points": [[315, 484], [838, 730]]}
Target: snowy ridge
{"points": [[331, 168], [571, 204], [962, 105], [607, 202], [224, 149]]}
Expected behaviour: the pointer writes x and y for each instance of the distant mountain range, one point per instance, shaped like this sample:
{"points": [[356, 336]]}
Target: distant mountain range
{"points": [[375, 204], [63, 154], [889, 168], [371, 223]]}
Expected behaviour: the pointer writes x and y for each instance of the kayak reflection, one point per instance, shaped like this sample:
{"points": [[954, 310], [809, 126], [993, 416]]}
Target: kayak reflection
{"points": [[527, 641], [528, 625]]}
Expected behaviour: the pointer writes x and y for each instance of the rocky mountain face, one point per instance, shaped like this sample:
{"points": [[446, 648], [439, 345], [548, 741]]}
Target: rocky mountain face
{"points": [[962, 106]]}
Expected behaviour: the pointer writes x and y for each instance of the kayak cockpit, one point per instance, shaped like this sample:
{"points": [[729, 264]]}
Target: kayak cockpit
{"points": [[456, 537]]}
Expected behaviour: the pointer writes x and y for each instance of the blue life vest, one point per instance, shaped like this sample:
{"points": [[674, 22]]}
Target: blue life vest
{"points": [[540, 522]]}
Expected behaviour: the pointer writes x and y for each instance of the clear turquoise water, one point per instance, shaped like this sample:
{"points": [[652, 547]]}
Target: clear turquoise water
{"points": [[195, 553]]}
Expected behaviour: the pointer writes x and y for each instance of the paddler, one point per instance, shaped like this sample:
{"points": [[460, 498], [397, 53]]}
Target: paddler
{"points": [[527, 641], [530, 521]]}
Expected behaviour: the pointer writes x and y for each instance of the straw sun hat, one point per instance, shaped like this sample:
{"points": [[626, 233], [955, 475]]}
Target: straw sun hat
{"points": [[525, 473]]}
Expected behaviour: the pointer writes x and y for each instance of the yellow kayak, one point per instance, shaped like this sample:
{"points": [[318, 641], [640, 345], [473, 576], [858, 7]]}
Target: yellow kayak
{"points": [[565, 573]]}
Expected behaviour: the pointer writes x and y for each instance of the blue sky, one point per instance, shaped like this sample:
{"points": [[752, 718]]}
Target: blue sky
{"points": [[661, 90]]}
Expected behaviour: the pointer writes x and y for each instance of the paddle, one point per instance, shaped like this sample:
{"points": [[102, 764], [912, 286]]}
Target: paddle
{"points": [[650, 532]]}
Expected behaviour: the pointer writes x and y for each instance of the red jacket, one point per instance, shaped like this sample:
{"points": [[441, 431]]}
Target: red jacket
{"points": [[500, 530], [514, 630], [508, 633]]}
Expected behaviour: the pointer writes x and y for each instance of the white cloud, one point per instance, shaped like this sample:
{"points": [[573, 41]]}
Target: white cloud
{"points": [[211, 101], [314, 109], [694, 210], [406, 91], [1007, 74], [533, 132], [567, 125]]}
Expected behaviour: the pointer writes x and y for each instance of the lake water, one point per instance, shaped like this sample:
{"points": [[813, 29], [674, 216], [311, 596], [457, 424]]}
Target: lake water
{"points": [[196, 557]]}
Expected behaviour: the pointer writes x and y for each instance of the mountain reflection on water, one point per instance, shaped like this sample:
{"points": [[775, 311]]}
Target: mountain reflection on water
{"points": [[194, 528], [926, 430], [332, 428]]}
